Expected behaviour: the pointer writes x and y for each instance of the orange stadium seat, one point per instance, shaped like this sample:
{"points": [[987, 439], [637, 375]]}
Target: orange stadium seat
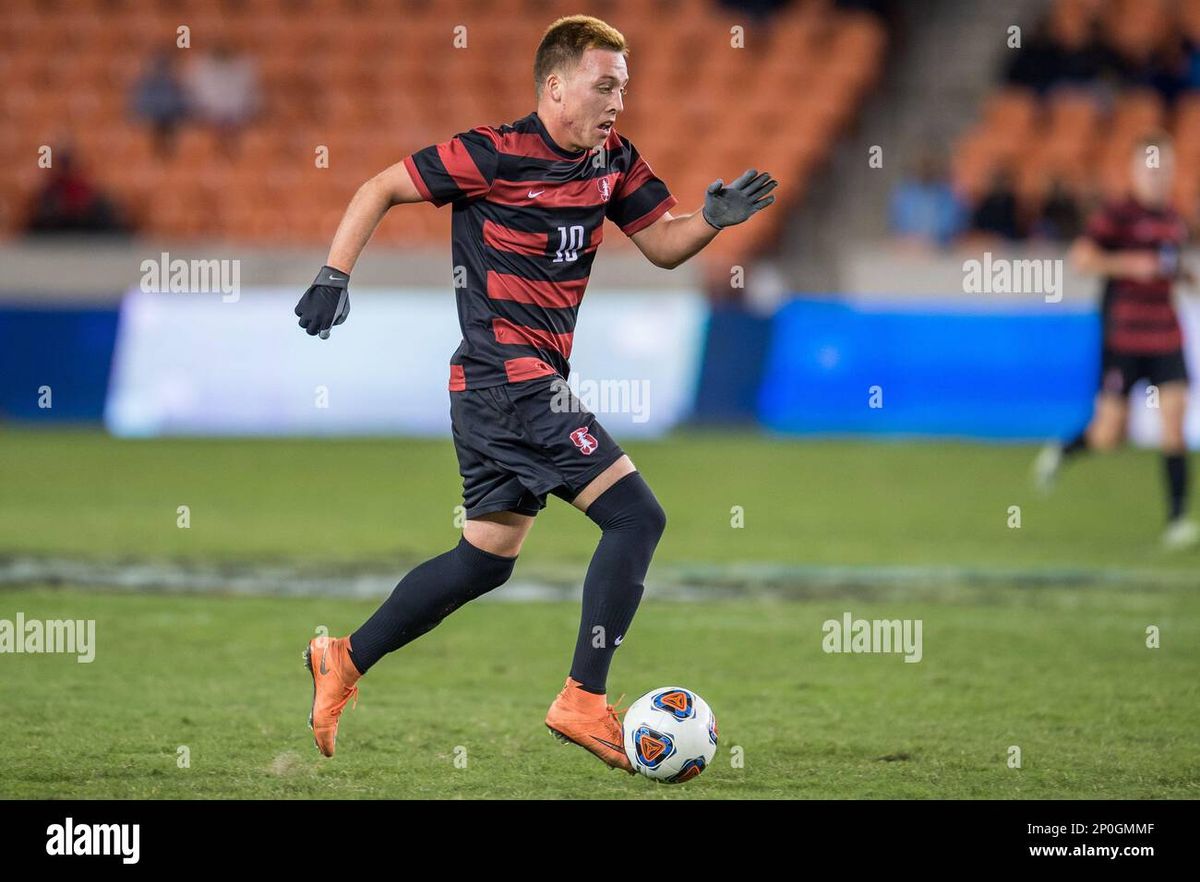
{"points": [[1084, 138], [779, 102]]}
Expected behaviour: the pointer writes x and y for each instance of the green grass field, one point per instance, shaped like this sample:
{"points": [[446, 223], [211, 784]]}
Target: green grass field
{"points": [[1062, 672]]}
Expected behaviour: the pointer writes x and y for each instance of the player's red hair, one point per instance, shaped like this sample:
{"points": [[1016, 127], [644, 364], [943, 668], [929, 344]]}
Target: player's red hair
{"points": [[567, 39]]}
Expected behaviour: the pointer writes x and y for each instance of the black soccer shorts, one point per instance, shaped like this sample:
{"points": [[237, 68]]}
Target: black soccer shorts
{"points": [[1119, 370], [518, 442]]}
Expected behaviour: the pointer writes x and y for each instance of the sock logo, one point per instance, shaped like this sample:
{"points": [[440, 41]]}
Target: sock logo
{"points": [[585, 441]]}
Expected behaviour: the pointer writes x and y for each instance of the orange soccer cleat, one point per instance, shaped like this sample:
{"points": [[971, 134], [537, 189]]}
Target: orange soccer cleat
{"points": [[334, 676], [586, 719]]}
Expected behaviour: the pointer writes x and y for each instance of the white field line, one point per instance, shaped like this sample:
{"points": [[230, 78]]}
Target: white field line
{"points": [[668, 582]]}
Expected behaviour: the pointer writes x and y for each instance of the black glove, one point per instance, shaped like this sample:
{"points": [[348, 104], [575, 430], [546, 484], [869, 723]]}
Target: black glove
{"points": [[326, 302], [726, 206]]}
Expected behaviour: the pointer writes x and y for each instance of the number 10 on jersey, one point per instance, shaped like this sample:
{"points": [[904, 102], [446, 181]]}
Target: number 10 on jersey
{"points": [[570, 240]]}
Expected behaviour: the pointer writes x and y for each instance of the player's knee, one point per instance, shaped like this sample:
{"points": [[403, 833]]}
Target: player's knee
{"points": [[1173, 438], [652, 517], [488, 570], [630, 506], [643, 512], [1173, 443], [1105, 435], [500, 572]]}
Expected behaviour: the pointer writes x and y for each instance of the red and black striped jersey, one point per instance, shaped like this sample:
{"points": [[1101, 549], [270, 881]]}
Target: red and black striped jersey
{"points": [[1138, 315], [528, 217]]}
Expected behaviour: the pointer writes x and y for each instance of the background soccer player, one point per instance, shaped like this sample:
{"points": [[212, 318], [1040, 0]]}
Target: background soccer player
{"points": [[1135, 246], [530, 199]]}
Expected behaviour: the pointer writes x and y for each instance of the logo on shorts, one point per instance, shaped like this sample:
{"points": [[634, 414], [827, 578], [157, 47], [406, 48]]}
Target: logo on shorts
{"points": [[585, 441]]}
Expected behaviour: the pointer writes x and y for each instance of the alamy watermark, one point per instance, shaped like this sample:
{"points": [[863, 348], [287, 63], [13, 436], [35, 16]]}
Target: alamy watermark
{"points": [[73, 636], [91, 840], [168, 275], [576, 395], [1001, 275], [874, 636]]}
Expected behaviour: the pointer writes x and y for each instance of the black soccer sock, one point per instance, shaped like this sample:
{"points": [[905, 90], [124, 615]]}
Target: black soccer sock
{"points": [[1177, 480], [633, 522], [1078, 444], [425, 596]]}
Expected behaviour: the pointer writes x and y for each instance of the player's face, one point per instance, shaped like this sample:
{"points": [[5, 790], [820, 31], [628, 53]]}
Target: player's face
{"points": [[594, 95], [1153, 173]]}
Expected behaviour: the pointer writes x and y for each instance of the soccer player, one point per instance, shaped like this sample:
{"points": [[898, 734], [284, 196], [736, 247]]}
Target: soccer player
{"points": [[1135, 247], [529, 203]]}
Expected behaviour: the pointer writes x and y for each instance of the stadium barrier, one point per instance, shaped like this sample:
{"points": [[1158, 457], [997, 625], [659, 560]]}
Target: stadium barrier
{"points": [[644, 362]]}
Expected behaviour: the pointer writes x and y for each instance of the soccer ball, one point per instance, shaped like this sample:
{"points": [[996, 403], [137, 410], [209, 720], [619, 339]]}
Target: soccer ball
{"points": [[670, 734]]}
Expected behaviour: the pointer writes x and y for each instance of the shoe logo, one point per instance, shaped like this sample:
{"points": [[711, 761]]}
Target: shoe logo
{"points": [[324, 671], [533, 195], [609, 744]]}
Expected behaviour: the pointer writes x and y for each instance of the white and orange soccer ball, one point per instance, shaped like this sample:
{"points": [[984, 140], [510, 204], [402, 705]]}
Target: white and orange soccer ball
{"points": [[670, 734]]}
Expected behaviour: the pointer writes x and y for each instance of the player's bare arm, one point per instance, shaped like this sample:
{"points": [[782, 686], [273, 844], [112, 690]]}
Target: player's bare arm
{"points": [[670, 240], [392, 186], [327, 301], [1089, 258]]}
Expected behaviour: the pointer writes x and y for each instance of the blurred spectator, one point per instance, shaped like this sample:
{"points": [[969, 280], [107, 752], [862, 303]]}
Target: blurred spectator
{"points": [[1064, 50], [70, 203], [1060, 218], [1068, 48], [1193, 62], [1169, 69], [760, 9], [924, 208], [1031, 66], [159, 99], [223, 89], [996, 213], [883, 8]]}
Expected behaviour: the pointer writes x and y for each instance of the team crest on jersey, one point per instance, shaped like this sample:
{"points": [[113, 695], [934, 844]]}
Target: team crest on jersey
{"points": [[585, 441], [605, 190]]}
